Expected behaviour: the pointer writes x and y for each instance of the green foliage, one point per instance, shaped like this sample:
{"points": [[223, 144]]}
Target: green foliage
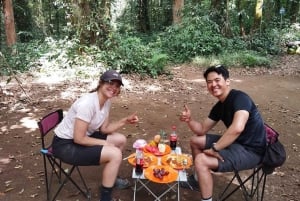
{"points": [[94, 39], [267, 43], [20, 57], [234, 59], [195, 36], [131, 55]]}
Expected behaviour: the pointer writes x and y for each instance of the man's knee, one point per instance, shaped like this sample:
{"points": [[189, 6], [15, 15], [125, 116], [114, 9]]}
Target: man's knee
{"points": [[197, 142]]}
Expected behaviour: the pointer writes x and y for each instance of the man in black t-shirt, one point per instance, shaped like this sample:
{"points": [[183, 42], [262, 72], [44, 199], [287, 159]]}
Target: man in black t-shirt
{"points": [[240, 147]]}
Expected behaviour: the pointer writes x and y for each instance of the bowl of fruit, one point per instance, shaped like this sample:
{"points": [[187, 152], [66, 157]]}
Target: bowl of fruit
{"points": [[156, 147], [161, 174]]}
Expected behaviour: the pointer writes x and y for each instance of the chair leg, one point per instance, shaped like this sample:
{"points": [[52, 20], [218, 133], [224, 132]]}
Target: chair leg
{"points": [[67, 177], [258, 179], [46, 178]]}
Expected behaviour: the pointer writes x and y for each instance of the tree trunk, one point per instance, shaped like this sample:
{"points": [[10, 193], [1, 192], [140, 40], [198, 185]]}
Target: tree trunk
{"points": [[240, 18], [177, 9], [227, 29], [143, 17], [9, 21], [219, 12], [294, 10], [257, 15]]}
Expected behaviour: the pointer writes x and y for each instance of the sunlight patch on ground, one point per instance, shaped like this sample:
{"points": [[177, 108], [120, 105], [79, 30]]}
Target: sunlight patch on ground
{"points": [[29, 122], [3, 129], [53, 79], [192, 80], [197, 80], [237, 80], [152, 88]]}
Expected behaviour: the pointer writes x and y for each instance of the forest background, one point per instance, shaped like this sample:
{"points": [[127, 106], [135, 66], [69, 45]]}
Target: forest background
{"points": [[159, 41], [144, 36]]}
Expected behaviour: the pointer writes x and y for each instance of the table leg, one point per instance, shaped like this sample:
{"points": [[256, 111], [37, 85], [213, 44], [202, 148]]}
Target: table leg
{"points": [[178, 193], [134, 190]]}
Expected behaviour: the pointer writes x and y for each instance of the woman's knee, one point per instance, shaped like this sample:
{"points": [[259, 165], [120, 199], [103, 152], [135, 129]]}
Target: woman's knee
{"points": [[111, 153], [118, 139], [123, 139]]}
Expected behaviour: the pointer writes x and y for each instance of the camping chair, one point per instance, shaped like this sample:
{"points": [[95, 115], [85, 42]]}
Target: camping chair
{"points": [[256, 181], [46, 124], [257, 178]]}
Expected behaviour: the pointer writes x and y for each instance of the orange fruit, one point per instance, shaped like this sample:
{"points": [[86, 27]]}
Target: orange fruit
{"points": [[152, 143], [157, 139]]}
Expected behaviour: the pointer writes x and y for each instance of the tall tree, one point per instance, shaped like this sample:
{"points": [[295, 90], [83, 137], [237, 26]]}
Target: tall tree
{"points": [[257, 15], [143, 17], [294, 10], [220, 14], [241, 12], [9, 22], [177, 10]]}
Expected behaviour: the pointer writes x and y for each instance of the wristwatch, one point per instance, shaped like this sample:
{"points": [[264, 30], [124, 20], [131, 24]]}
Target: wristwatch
{"points": [[213, 148]]}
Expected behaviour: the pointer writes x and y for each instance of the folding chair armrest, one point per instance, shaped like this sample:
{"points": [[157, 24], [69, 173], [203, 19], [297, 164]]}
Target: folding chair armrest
{"points": [[44, 151]]}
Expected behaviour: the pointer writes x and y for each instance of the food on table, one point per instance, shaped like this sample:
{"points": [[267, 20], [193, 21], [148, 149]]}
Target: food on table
{"points": [[152, 149], [156, 147], [161, 148], [160, 172], [179, 161], [147, 161], [157, 139], [153, 145]]}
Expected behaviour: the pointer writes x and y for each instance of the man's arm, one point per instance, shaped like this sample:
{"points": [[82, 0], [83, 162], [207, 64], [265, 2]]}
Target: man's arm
{"points": [[234, 130], [199, 128]]}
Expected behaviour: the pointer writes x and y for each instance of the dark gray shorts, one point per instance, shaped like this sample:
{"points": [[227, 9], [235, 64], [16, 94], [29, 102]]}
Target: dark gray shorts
{"points": [[236, 156], [72, 153]]}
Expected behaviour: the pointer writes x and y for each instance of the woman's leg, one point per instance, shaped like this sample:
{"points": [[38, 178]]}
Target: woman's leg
{"points": [[111, 158], [118, 139]]}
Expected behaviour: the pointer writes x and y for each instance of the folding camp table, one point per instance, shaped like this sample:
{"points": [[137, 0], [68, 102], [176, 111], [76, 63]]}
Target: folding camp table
{"points": [[142, 182]]}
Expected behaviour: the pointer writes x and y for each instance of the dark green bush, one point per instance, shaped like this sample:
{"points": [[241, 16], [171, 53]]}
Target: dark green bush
{"points": [[131, 55], [195, 36]]}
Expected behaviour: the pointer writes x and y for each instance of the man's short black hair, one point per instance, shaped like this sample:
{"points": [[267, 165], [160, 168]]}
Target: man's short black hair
{"points": [[219, 69]]}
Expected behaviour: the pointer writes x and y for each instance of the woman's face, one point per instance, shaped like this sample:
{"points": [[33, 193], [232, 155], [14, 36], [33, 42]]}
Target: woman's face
{"points": [[111, 88]]}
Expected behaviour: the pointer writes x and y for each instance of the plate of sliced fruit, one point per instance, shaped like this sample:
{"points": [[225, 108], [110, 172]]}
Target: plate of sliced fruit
{"points": [[149, 159], [157, 148], [156, 151], [177, 161], [161, 174]]}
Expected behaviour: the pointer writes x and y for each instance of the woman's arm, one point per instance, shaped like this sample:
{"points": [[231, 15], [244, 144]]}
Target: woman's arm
{"points": [[80, 137], [110, 127]]}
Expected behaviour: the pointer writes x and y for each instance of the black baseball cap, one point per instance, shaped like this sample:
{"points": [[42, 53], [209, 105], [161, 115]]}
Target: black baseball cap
{"points": [[111, 75]]}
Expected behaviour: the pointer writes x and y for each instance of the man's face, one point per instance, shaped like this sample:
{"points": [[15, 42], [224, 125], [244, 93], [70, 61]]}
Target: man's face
{"points": [[217, 85]]}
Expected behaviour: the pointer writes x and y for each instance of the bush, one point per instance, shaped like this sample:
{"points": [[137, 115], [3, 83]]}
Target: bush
{"points": [[131, 55], [195, 36]]}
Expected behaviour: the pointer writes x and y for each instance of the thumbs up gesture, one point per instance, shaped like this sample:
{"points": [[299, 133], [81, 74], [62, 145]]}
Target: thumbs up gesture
{"points": [[185, 114]]}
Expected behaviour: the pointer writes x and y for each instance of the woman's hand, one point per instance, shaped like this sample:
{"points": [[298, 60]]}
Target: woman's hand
{"points": [[132, 119], [186, 114]]}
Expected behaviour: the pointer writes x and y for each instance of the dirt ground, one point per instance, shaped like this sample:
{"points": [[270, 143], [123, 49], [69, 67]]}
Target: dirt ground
{"points": [[158, 102]]}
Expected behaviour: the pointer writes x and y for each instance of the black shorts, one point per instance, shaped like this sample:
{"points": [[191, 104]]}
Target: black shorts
{"points": [[75, 154], [236, 156]]}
